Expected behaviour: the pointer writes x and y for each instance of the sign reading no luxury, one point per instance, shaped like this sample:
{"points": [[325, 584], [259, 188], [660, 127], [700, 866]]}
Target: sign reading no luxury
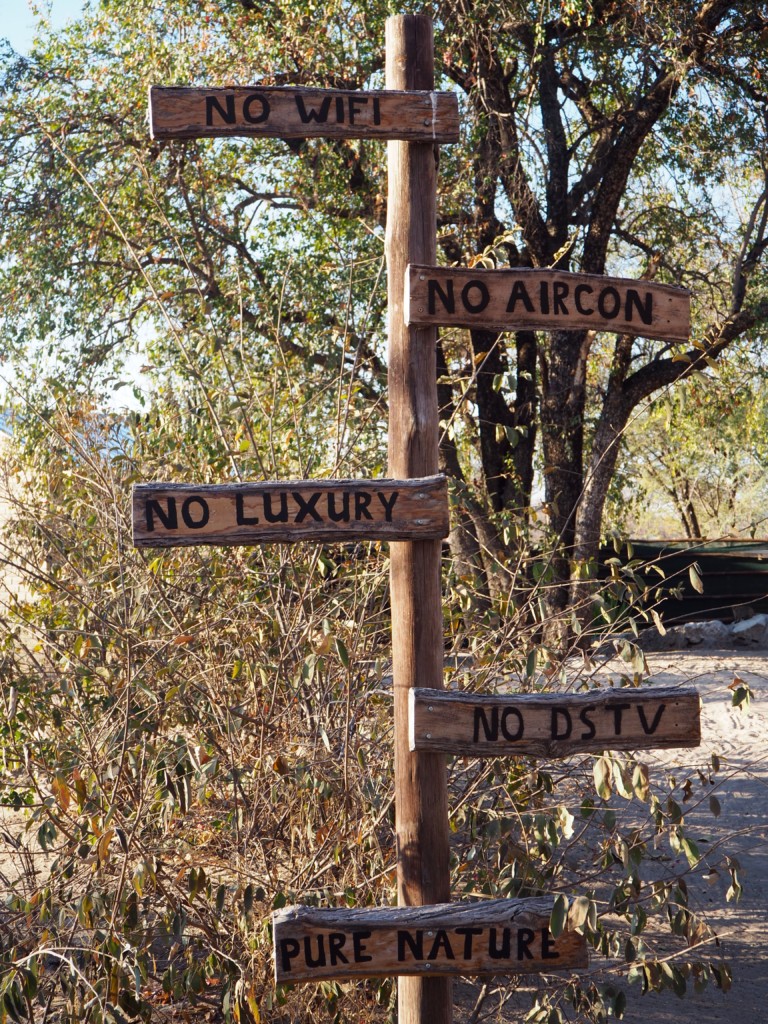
{"points": [[177, 515], [487, 937], [520, 299], [291, 113]]}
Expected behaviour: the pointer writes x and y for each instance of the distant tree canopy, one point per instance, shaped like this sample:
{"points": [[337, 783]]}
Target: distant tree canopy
{"points": [[604, 137]]}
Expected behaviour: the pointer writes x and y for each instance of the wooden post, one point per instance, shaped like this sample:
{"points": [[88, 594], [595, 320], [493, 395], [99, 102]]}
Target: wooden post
{"points": [[421, 799]]}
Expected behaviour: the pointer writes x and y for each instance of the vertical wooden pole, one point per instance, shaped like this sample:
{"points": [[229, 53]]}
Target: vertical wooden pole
{"points": [[421, 799]]}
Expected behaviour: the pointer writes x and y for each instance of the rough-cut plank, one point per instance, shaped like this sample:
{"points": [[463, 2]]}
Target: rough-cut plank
{"points": [[510, 300], [177, 515], [554, 724], [493, 937], [291, 113]]}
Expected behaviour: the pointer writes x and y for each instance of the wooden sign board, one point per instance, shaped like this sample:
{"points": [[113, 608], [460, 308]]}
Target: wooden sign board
{"points": [[290, 113], [553, 724], [489, 937], [549, 300], [177, 515]]}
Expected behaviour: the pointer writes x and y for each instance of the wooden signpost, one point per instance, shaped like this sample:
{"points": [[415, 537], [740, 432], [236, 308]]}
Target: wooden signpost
{"points": [[489, 937], [174, 515], [554, 724], [426, 940], [512, 300], [289, 113]]}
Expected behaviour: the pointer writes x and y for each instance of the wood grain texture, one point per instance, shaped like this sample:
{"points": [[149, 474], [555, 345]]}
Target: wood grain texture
{"points": [[179, 515], [554, 724], [421, 792], [178, 112], [549, 300], [491, 937]]}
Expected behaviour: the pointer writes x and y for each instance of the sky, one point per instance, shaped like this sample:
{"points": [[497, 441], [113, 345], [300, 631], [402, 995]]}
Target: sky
{"points": [[17, 21]]}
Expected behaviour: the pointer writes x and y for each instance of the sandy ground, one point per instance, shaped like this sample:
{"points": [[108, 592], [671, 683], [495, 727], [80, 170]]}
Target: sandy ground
{"points": [[740, 739]]}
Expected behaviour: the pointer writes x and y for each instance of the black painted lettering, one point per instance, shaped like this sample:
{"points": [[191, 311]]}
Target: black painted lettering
{"points": [[338, 517], [468, 933], [335, 941], [544, 296], [167, 517], [242, 518], [525, 937], [645, 309], [355, 102], [255, 115], [559, 293], [311, 114], [586, 720], [376, 110], [446, 297], [358, 948], [276, 517], [189, 519], [308, 507], [362, 501], [579, 290], [388, 505], [404, 938], [309, 959], [289, 950], [340, 110], [519, 293], [548, 946], [491, 729], [471, 305], [493, 947], [441, 942], [649, 730], [554, 728], [609, 303], [506, 731], [618, 710], [227, 114]]}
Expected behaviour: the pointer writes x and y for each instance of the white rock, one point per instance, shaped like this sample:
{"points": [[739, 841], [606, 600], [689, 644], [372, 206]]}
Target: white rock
{"points": [[751, 631]]}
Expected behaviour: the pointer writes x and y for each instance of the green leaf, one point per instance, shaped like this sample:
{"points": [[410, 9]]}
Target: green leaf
{"points": [[603, 773], [691, 851], [559, 915], [578, 913], [342, 652]]}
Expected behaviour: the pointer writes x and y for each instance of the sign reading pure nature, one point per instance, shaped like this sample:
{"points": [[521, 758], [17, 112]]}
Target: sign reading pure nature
{"points": [[548, 300], [176, 515], [553, 724], [489, 937], [291, 113]]}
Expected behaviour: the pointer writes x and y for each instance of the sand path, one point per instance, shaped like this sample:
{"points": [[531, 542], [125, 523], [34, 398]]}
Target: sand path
{"points": [[740, 739]]}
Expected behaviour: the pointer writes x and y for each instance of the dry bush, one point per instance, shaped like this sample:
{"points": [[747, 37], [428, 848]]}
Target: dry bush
{"points": [[194, 737]]}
